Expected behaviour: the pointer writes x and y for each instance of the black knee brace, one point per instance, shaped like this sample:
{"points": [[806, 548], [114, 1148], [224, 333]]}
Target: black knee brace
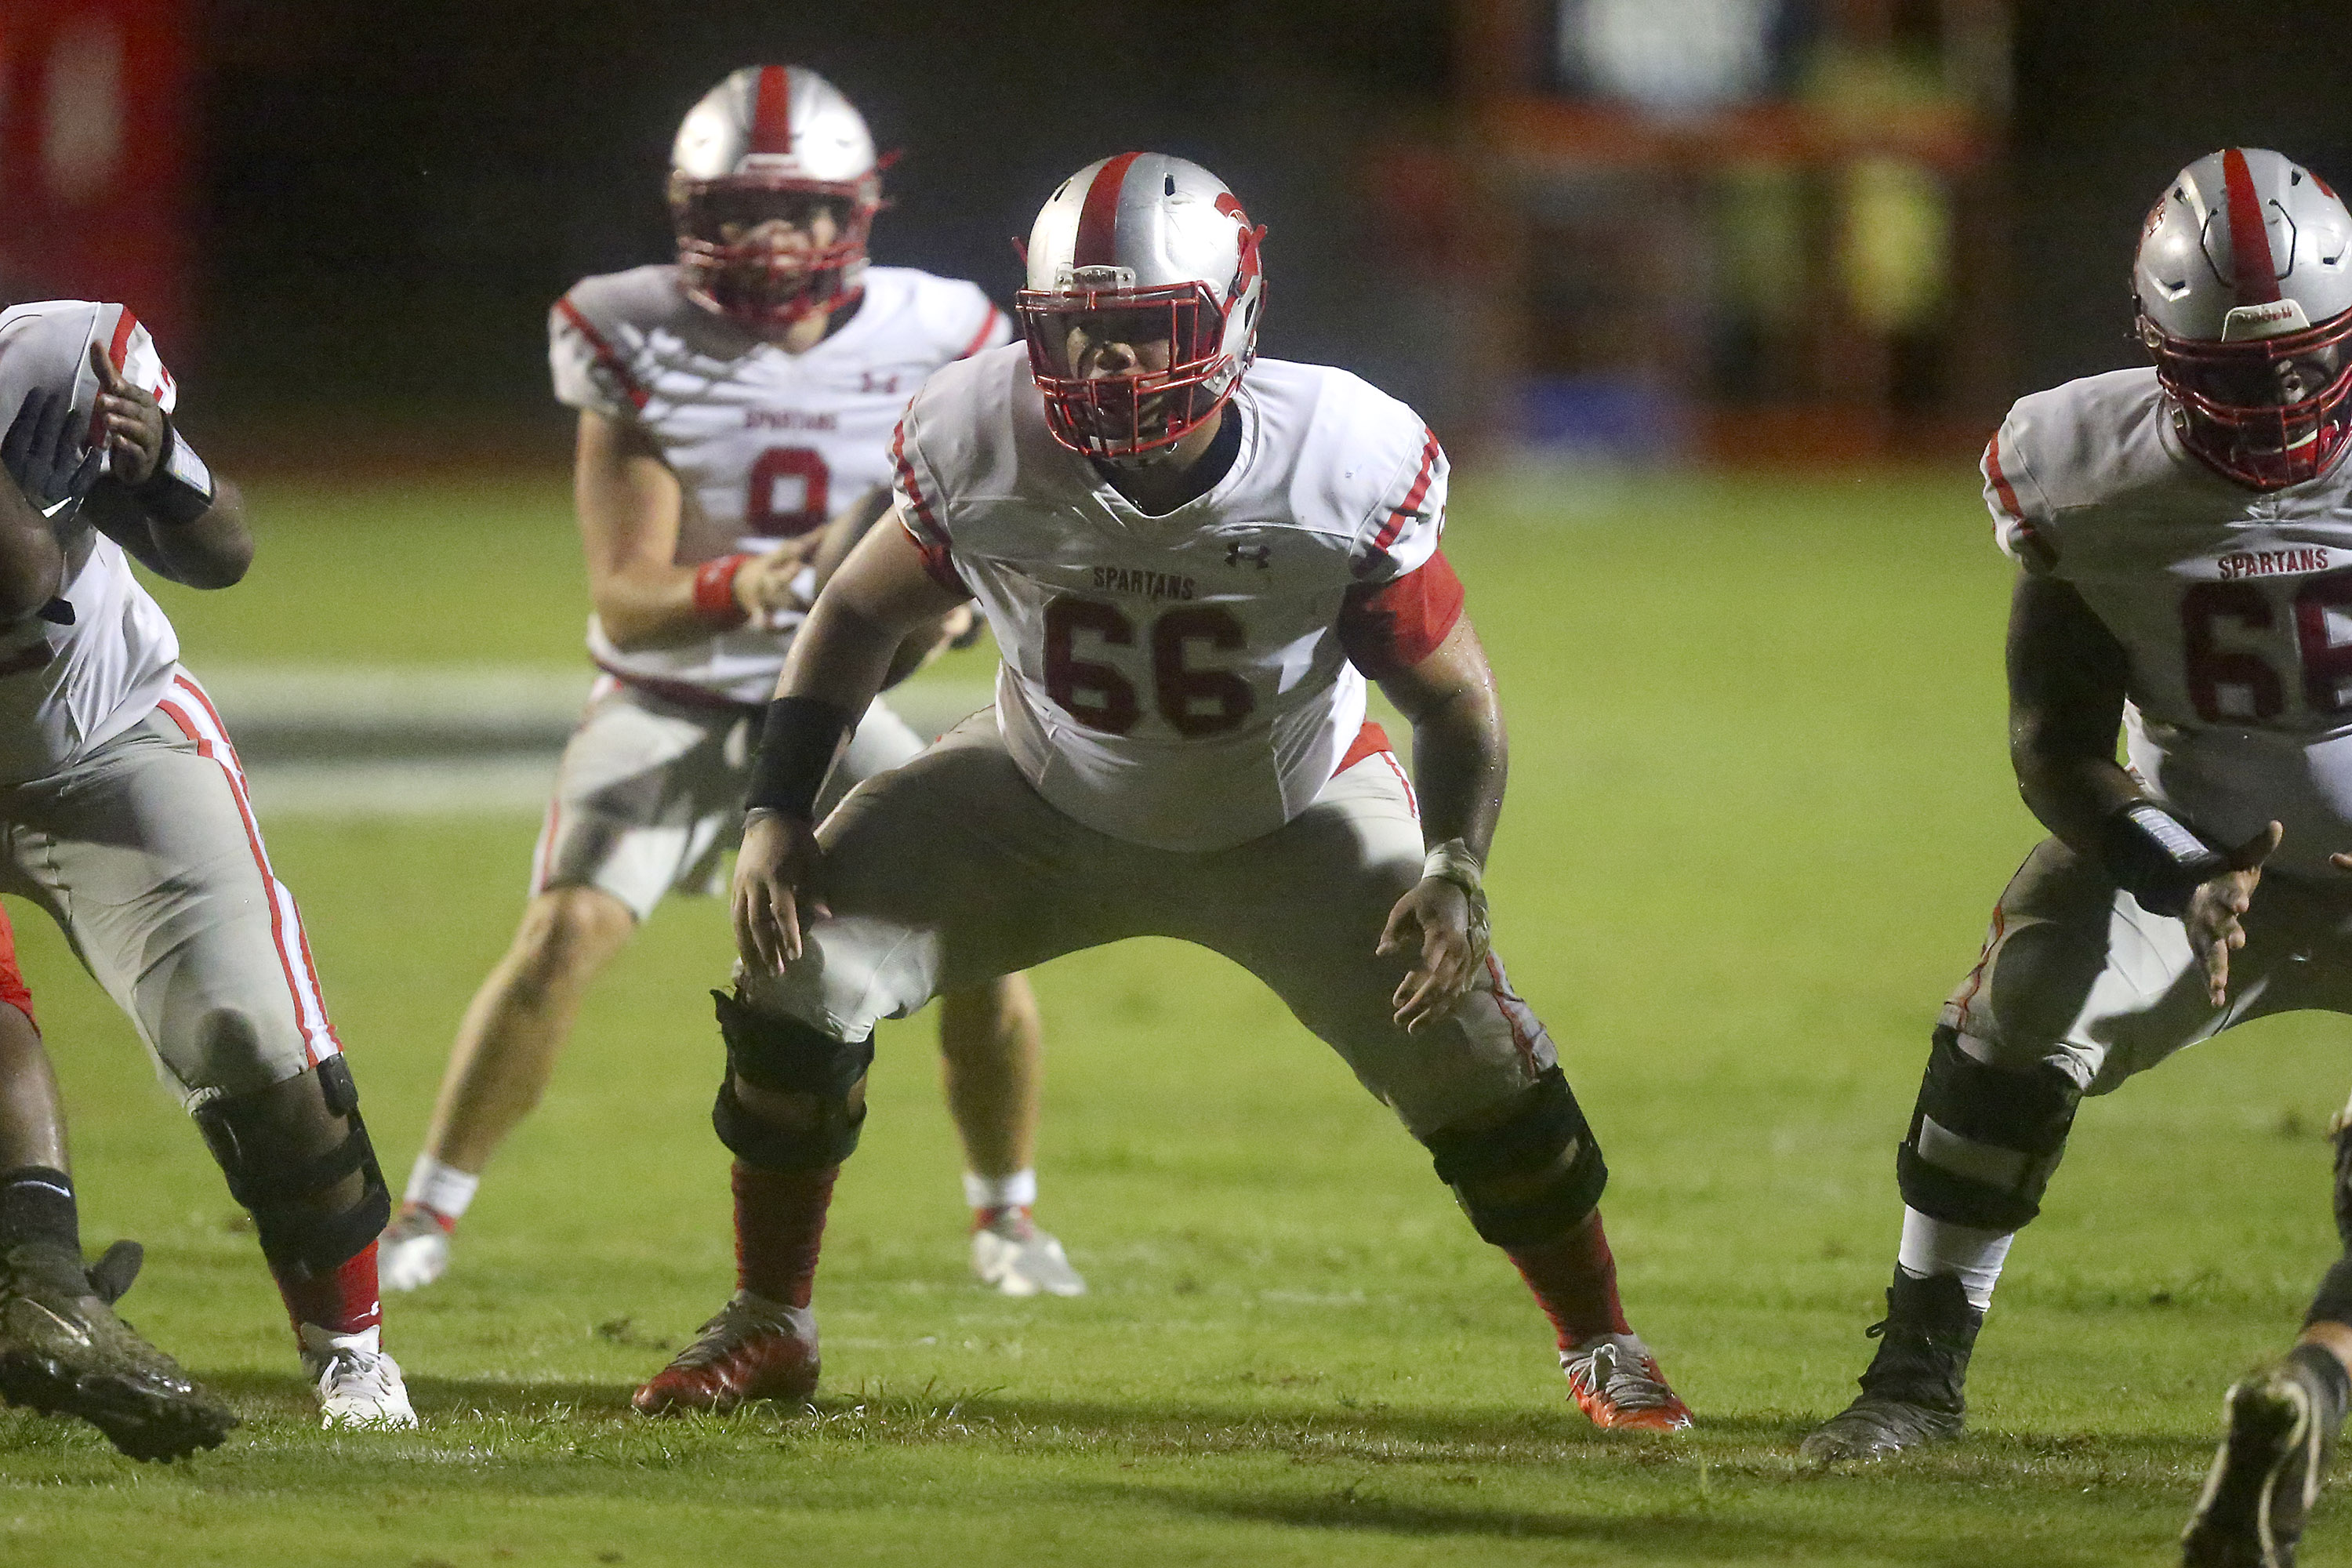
{"points": [[1983, 1141], [788, 1057], [256, 1154], [1543, 1152]]}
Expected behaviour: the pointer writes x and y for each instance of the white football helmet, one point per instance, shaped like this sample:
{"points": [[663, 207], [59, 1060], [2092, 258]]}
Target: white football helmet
{"points": [[753, 163], [2245, 292], [1141, 249]]}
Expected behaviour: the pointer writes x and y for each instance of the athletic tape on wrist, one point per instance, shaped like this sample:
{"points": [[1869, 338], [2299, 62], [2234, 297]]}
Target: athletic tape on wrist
{"points": [[714, 591], [180, 489], [799, 741], [2157, 858], [1453, 862]]}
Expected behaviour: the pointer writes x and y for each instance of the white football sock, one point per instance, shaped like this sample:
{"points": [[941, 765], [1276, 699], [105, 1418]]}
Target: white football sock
{"points": [[1017, 1191], [443, 1189], [1939, 1246]]}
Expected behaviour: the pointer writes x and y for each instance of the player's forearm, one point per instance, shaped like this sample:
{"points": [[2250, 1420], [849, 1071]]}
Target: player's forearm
{"points": [[213, 552], [32, 565], [841, 655], [651, 606], [1461, 760], [2073, 795]]}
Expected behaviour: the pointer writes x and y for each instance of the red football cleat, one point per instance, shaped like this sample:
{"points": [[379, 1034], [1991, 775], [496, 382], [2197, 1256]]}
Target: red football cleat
{"points": [[1615, 1381], [752, 1350]]}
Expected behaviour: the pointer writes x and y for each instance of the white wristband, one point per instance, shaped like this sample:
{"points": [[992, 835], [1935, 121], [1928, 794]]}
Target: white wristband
{"points": [[1452, 861]]}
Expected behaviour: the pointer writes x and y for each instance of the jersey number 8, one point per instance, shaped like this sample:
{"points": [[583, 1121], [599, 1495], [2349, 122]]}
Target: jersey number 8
{"points": [[769, 472], [1097, 694]]}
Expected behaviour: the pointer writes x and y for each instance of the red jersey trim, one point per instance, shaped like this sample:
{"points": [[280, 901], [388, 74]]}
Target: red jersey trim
{"points": [[603, 352], [1404, 511], [2001, 485], [13, 989], [1390, 628], [987, 329], [1370, 740]]}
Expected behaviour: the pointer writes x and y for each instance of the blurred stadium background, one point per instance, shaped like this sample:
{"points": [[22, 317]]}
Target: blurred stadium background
{"points": [[1714, 299]]}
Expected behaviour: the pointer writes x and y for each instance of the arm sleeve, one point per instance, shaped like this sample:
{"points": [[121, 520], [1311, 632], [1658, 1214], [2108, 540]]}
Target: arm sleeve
{"points": [[589, 375], [1390, 627], [1401, 532], [916, 490], [994, 330], [2020, 511]]}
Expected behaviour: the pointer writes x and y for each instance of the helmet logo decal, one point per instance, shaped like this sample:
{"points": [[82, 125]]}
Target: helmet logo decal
{"points": [[2254, 271], [772, 111], [1098, 218]]}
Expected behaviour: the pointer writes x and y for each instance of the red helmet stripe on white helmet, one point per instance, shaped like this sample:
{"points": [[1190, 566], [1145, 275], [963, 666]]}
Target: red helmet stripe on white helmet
{"points": [[772, 111], [1097, 237], [2253, 270]]}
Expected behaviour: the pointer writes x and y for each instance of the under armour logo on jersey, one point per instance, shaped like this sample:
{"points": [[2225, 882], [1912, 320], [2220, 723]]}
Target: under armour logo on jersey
{"points": [[1237, 553], [880, 386]]}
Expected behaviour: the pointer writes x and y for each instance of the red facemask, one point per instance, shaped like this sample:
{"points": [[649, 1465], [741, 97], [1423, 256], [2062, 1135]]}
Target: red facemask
{"points": [[1123, 415], [2266, 412], [770, 274]]}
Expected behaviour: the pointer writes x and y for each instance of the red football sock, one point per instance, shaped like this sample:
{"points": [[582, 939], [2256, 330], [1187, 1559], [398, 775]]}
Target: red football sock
{"points": [[342, 1301], [1575, 1282], [779, 1225]]}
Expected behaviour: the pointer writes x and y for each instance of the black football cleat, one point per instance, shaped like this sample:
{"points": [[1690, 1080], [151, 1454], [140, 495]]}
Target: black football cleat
{"points": [[2283, 1423], [63, 1352], [1912, 1393]]}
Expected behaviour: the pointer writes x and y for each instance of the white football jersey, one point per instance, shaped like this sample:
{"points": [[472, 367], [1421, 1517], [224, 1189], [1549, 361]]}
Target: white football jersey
{"points": [[2234, 604], [66, 689], [766, 445], [1177, 681]]}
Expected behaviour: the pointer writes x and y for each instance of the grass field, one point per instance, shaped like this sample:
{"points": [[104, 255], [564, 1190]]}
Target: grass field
{"points": [[1758, 810]]}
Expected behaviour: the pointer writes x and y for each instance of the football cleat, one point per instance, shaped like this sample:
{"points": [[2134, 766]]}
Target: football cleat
{"points": [[360, 1386], [63, 1352], [753, 1349], [1011, 1253], [413, 1250], [1615, 1381], [1912, 1390], [2283, 1425]]}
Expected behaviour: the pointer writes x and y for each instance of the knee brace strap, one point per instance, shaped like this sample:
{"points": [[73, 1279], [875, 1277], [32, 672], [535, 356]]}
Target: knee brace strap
{"points": [[1543, 1151], [276, 1184], [1983, 1141], [790, 1057]]}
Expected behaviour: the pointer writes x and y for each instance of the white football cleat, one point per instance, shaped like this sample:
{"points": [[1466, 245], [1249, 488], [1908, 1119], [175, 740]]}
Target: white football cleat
{"points": [[360, 1386], [413, 1251], [1011, 1253]]}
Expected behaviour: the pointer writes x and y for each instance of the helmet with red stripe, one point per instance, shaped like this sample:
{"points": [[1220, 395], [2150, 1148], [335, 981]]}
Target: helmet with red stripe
{"points": [[1143, 306], [2244, 290], [773, 187]]}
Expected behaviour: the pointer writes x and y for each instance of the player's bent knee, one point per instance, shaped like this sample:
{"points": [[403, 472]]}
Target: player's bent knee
{"points": [[1528, 1175], [567, 934], [288, 1151], [1984, 1141], [783, 1056]]}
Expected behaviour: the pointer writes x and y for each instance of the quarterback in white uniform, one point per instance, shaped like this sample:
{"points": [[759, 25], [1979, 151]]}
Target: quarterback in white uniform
{"points": [[1190, 562], [736, 409], [2186, 579], [123, 814]]}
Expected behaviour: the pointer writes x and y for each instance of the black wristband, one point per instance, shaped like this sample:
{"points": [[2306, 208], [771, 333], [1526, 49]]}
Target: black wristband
{"points": [[180, 489], [2157, 858], [799, 739]]}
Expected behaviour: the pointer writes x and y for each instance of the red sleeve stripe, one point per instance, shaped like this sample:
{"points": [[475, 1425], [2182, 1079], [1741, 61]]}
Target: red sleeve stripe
{"points": [[1412, 497], [1394, 627], [2001, 485], [772, 111], [1097, 241], [987, 330], [603, 351], [931, 534]]}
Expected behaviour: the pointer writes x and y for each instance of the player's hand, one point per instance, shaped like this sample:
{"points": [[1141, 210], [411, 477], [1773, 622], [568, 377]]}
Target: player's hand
{"points": [[2217, 906], [773, 872], [765, 584], [1435, 922], [131, 422], [43, 451]]}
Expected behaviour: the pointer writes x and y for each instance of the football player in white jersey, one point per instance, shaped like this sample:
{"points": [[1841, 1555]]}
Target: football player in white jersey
{"points": [[2186, 569], [1190, 562], [731, 405], [123, 814], [62, 1349]]}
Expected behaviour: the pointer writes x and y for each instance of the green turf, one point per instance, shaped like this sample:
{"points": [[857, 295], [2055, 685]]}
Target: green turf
{"points": [[1759, 812]]}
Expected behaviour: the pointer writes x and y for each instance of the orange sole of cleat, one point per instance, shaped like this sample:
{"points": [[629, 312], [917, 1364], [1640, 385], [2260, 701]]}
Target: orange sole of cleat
{"points": [[1674, 1420]]}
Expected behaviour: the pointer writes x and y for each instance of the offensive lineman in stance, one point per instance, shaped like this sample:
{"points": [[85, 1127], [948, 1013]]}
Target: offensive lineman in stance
{"points": [[62, 1349], [123, 814], [1187, 561], [2184, 576], [727, 405]]}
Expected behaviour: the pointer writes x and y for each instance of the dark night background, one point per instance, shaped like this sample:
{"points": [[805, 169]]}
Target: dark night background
{"points": [[394, 194]]}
